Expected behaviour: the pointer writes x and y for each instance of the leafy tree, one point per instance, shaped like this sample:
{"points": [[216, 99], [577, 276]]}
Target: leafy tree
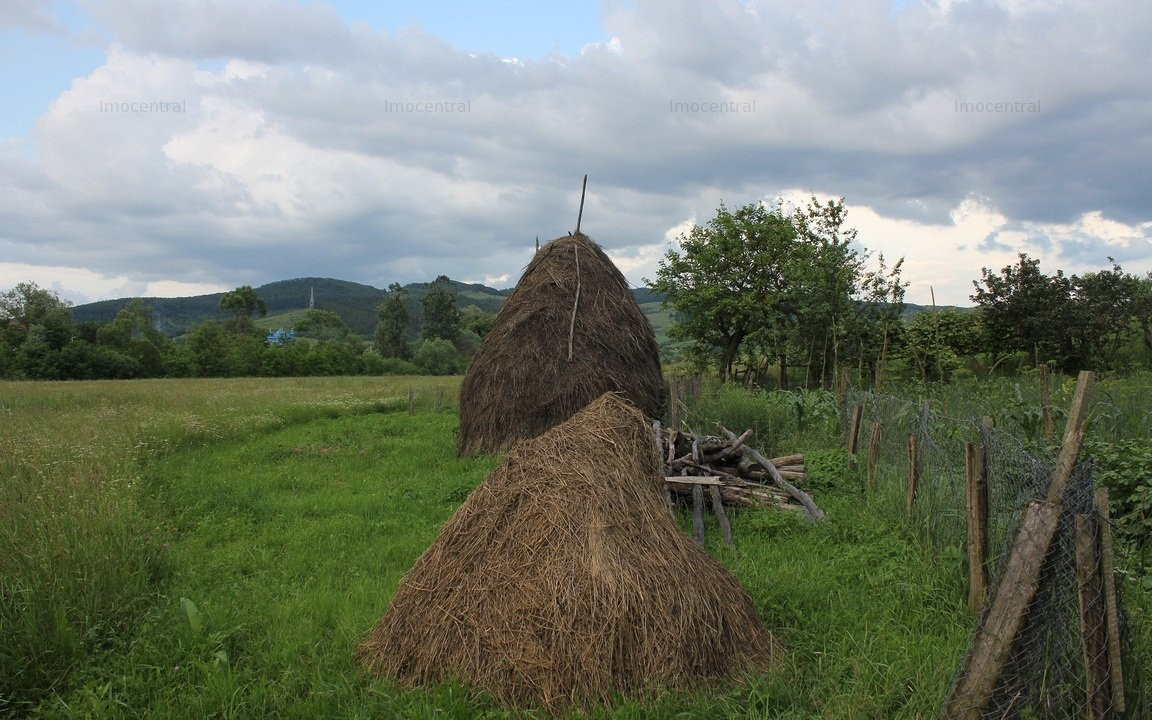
{"points": [[207, 349], [30, 306], [35, 324], [323, 325], [937, 340], [731, 279], [392, 327], [477, 320], [758, 286], [1142, 310], [440, 317], [243, 302], [133, 333], [1025, 310], [1106, 305]]}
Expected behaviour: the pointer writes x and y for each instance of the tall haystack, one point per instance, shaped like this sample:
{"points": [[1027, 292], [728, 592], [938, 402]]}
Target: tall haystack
{"points": [[564, 579], [570, 332]]}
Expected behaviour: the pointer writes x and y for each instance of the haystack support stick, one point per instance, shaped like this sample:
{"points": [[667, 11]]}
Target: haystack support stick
{"points": [[580, 215]]}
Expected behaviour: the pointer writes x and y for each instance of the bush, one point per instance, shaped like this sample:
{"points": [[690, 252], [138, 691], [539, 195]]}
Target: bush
{"points": [[1125, 468], [437, 357], [371, 363]]}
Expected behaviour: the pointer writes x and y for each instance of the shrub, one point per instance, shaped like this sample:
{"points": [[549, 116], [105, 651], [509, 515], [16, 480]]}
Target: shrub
{"points": [[437, 357]]}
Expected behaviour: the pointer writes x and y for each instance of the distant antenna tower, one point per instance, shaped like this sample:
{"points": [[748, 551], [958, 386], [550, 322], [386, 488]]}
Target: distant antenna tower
{"points": [[311, 297]]}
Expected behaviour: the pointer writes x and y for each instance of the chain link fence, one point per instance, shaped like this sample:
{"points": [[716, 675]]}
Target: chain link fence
{"points": [[1054, 661]]}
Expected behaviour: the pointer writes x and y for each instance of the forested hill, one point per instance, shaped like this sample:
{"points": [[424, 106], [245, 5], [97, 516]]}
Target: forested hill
{"points": [[353, 302]]}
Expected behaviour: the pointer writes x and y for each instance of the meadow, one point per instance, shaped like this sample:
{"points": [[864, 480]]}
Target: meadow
{"points": [[218, 548]]}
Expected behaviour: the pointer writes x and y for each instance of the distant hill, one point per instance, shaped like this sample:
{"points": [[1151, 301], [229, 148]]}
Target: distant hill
{"points": [[353, 302]]}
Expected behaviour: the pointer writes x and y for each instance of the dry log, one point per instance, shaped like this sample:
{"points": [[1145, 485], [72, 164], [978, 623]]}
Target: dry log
{"points": [[804, 498]]}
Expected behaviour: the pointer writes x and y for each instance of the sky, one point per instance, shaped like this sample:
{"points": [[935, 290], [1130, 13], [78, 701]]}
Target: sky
{"points": [[190, 146]]}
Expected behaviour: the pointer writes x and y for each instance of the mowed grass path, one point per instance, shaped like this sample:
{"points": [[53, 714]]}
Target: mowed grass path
{"points": [[285, 541]]}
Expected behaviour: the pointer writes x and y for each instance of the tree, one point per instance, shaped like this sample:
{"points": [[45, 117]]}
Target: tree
{"points": [[936, 340], [440, 317], [323, 325], [35, 324], [758, 286], [477, 320], [1023, 309], [133, 333], [730, 280], [28, 306], [243, 302], [828, 279], [1106, 306], [392, 327]]}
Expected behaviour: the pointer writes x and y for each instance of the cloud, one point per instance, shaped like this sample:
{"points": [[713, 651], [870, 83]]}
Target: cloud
{"points": [[33, 15], [307, 146]]}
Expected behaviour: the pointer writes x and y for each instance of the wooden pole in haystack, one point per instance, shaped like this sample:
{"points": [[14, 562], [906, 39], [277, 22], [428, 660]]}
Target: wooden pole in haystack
{"points": [[580, 215]]}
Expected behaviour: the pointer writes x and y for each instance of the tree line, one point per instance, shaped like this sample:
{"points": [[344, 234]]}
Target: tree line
{"points": [[40, 341], [769, 295]]}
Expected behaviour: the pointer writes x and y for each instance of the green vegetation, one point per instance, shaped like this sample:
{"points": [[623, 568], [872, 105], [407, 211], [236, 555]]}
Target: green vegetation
{"points": [[185, 548], [769, 298]]}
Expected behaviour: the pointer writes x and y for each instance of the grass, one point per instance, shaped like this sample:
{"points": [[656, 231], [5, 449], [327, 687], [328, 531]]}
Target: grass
{"points": [[219, 547], [80, 558]]}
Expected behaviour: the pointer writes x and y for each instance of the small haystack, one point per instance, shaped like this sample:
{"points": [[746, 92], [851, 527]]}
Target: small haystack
{"points": [[563, 579], [570, 332]]}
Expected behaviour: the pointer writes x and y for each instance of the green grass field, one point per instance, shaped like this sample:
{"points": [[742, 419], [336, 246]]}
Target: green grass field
{"points": [[218, 548]]}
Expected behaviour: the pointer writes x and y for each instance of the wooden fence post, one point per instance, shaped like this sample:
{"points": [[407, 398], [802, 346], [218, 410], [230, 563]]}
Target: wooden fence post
{"points": [[411, 398], [1046, 402], [977, 527], [854, 431], [873, 451], [1108, 570], [913, 473], [1093, 631]]}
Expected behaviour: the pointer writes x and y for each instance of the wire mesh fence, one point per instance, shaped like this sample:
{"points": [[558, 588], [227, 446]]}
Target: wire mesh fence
{"points": [[1057, 654]]}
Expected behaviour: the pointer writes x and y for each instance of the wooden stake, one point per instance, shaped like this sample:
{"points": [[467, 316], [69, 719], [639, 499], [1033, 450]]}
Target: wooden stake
{"points": [[575, 300], [1093, 630], [1046, 402], [913, 473], [698, 513], [1073, 434], [873, 451], [854, 431], [1108, 571], [721, 516], [411, 399], [580, 216], [977, 527]]}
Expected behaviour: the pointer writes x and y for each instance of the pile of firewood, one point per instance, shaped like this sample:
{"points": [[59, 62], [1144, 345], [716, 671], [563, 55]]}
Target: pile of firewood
{"points": [[732, 473]]}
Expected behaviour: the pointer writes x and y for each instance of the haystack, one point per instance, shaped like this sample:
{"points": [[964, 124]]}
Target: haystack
{"points": [[570, 331], [563, 579]]}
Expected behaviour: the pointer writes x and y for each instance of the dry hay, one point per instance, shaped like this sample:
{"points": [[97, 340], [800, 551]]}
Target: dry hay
{"points": [[563, 579], [570, 332]]}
